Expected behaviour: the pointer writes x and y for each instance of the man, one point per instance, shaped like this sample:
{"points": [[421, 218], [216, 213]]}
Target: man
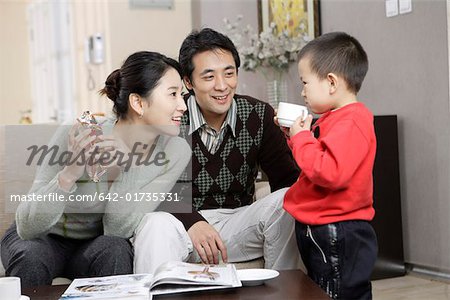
{"points": [[232, 136]]}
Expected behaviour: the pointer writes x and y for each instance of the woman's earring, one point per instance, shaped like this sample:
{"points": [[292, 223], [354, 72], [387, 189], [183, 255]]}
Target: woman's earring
{"points": [[141, 114]]}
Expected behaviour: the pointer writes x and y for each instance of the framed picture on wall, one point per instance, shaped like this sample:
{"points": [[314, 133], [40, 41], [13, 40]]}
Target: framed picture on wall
{"points": [[293, 16]]}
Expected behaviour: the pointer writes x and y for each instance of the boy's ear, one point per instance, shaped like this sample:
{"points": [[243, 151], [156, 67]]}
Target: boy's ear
{"points": [[135, 102], [333, 82]]}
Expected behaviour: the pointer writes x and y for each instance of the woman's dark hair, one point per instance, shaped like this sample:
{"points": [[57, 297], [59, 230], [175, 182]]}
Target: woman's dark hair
{"points": [[200, 41], [340, 53], [139, 74]]}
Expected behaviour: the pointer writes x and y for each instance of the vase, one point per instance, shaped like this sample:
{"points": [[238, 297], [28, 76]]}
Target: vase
{"points": [[276, 91]]}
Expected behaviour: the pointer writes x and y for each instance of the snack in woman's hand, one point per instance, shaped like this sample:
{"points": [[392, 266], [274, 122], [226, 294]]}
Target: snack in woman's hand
{"points": [[88, 120], [94, 170]]}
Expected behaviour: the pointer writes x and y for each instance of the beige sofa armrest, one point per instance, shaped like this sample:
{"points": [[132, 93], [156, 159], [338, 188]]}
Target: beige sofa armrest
{"points": [[262, 189]]}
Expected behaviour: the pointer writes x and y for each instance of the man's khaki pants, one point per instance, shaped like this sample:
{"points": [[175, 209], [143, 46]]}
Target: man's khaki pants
{"points": [[262, 229]]}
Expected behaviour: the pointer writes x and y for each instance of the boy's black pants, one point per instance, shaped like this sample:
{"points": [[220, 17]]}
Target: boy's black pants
{"points": [[339, 257]]}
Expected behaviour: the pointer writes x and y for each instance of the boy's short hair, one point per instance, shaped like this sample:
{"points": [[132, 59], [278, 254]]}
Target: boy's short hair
{"points": [[339, 53]]}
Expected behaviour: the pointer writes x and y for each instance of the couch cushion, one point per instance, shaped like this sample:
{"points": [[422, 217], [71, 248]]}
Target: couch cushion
{"points": [[251, 264], [262, 189]]}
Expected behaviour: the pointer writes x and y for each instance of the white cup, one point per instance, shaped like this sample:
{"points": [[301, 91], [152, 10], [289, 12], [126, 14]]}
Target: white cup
{"points": [[288, 112], [10, 288]]}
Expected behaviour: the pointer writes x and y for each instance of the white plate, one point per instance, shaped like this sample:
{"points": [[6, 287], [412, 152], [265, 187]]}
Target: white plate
{"points": [[23, 297], [251, 277], [285, 122]]}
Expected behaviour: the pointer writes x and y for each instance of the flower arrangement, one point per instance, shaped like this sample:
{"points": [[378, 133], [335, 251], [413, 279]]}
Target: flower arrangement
{"points": [[269, 48]]}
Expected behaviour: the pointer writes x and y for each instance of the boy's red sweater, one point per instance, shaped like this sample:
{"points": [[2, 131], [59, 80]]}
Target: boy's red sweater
{"points": [[336, 182]]}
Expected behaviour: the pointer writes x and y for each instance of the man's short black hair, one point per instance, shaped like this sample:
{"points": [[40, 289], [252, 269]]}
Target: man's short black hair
{"points": [[339, 53], [200, 41]]}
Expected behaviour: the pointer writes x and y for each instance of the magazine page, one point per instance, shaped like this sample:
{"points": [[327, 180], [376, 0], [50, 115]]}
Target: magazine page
{"points": [[133, 286], [176, 277]]}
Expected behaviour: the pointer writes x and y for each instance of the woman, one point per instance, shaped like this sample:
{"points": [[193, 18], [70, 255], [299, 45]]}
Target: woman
{"points": [[85, 239]]}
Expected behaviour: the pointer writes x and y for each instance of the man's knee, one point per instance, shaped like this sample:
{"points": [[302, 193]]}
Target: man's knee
{"points": [[161, 233], [157, 224], [159, 237]]}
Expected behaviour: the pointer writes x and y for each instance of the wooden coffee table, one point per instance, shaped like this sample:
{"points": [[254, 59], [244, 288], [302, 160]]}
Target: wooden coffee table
{"points": [[292, 284]]}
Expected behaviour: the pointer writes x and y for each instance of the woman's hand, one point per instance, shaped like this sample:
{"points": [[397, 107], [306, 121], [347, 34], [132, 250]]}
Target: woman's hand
{"points": [[81, 140], [110, 152]]}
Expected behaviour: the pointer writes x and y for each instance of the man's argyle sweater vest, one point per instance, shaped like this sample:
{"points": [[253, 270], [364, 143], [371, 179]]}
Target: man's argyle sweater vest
{"points": [[226, 179]]}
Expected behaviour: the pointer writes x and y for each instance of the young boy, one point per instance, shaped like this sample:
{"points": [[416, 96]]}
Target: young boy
{"points": [[332, 199]]}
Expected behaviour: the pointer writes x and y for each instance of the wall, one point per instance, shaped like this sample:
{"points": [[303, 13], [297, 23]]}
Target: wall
{"points": [[15, 90], [147, 29]]}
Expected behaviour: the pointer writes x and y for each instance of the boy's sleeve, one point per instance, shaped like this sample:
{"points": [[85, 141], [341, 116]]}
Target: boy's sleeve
{"points": [[332, 161]]}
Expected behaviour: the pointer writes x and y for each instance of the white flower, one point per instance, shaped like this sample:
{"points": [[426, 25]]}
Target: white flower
{"points": [[267, 49]]}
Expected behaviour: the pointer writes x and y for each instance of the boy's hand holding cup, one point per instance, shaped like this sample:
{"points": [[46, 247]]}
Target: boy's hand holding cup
{"points": [[293, 118]]}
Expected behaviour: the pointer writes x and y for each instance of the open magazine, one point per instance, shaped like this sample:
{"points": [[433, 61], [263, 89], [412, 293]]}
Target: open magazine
{"points": [[170, 277]]}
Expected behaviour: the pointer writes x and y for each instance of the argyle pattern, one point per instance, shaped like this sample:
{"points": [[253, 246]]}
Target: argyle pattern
{"points": [[226, 179]]}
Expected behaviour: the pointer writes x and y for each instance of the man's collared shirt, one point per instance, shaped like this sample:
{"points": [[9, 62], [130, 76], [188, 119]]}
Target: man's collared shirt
{"points": [[209, 136]]}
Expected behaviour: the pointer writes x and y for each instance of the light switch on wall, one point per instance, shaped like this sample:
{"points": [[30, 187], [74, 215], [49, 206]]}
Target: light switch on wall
{"points": [[405, 6], [391, 8]]}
